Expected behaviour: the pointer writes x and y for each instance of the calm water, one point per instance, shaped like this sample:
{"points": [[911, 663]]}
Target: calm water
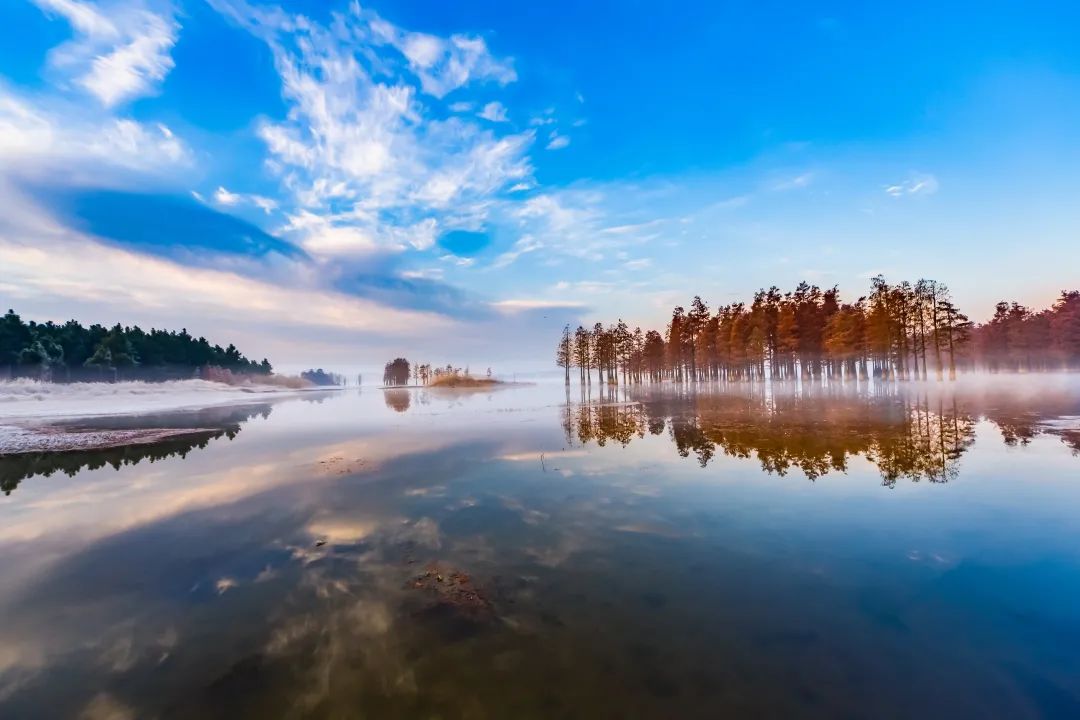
{"points": [[769, 552]]}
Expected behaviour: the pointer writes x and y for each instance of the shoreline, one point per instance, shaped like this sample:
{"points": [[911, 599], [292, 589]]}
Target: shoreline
{"points": [[44, 402], [17, 441]]}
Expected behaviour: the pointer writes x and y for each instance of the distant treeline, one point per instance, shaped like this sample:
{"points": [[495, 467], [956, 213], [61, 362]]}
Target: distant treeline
{"points": [[903, 331], [73, 352], [1021, 339], [322, 377]]}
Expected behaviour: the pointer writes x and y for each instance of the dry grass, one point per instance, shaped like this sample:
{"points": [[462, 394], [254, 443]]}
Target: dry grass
{"points": [[228, 377], [463, 381]]}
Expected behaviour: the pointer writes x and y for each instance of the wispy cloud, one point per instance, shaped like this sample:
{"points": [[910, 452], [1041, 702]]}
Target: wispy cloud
{"points": [[916, 184], [522, 305], [359, 147], [121, 49], [557, 141], [526, 244], [35, 139], [494, 112], [435, 273], [222, 196], [81, 272], [442, 64], [794, 182]]}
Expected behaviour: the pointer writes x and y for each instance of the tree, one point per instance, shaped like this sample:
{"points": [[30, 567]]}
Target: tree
{"points": [[396, 372], [894, 333], [582, 351], [14, 336], [956, 328], [696, 319], [655, 353], [322, 378], [43, 348], [675, 346], [564, 353]]}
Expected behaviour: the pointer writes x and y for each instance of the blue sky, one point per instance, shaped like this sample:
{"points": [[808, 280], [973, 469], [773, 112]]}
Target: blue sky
{"points": [[333, 182]]}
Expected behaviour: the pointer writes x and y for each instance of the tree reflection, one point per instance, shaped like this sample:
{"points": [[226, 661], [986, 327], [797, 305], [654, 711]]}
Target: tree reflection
{"points": [[817, 433], [222, 422], [397, 400]]}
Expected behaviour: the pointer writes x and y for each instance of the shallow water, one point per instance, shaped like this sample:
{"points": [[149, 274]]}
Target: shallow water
{"points": [[768, 551]]}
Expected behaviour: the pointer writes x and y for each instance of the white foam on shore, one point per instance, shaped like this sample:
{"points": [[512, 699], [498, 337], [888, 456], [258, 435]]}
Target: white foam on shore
{"points": [[26, 399]]}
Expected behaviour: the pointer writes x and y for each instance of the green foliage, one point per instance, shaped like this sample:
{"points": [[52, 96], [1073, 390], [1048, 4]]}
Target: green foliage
{"points": [[31, 346]]}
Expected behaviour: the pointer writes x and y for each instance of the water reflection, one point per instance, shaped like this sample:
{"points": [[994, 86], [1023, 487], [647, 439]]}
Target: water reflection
{"points": [[398, 400], [818, 430], [341, 560], [206, 425]]}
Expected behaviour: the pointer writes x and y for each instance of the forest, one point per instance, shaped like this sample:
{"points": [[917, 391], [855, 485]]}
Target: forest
{"points": [[72, 352], [903, 331]]}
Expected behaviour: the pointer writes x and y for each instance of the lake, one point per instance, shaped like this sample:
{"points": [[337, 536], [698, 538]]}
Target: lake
{"points": [[832, 551]]}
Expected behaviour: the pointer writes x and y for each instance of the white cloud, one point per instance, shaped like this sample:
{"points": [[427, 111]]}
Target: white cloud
{"points": [[494, 112], [557, 141], [457, 260], [521, 305], [446, 64], [121, 49], [917, 184], [83, 16], [461, 107], [267, 205], [35, 140], [593, 287], [435, 273], [441, 64], [795, 182], [526, 244], [49, 263], [546, 118], [359, 145], [420, 235], [632, 228], [224, 197], [321, 234], [639, 264]]}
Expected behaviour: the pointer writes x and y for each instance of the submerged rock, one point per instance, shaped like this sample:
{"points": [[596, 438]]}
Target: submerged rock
{"points": [[450, 589]]}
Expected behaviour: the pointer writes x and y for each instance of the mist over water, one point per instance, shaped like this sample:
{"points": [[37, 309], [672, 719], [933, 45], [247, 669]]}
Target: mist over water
{"points": [[866, 550]]}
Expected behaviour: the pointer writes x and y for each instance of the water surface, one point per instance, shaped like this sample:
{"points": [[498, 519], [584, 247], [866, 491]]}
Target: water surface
{"points": [[871, 551]]}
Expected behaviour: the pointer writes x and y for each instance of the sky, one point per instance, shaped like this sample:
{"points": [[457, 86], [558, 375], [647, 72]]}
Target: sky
{"points": [[336, 183]]}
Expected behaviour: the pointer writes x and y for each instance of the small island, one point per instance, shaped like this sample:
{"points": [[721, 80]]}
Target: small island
{"points": [[400, 373]]}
